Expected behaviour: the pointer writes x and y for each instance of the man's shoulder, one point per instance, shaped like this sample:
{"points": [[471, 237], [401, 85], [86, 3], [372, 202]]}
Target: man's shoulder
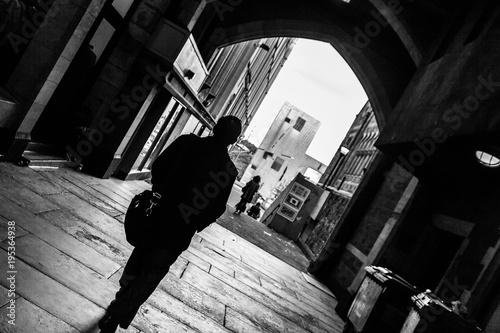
{"points": [[188, 137]]}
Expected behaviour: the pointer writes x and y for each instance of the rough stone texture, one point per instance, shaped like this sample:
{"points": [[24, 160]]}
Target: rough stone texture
{"points": [[376, 216], [134, 38], [113, 75], [122, 59], [347, 269], [328, 218], [146, 16], [158, 4]]}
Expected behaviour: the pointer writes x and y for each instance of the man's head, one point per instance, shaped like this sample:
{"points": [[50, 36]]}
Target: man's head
{"points": [[228, 129]]}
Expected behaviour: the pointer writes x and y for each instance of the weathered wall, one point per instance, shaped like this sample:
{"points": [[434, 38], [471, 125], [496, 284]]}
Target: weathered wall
{"points": [[364, 228], [327, 221], [369, 228]]}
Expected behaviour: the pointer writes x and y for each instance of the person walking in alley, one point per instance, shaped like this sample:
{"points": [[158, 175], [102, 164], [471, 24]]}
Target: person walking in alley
{"points": [[249, 191], [194, 177], [254, 211]]}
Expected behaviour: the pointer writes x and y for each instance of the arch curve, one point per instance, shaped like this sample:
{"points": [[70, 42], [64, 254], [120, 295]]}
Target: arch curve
{"points": [[382, 75]]}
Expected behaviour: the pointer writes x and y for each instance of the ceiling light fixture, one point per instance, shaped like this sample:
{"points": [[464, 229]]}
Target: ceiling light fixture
{"points": [[487, 159]]}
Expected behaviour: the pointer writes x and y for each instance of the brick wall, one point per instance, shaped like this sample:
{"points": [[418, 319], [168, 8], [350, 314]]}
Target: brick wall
{"points": [[347, 269]]}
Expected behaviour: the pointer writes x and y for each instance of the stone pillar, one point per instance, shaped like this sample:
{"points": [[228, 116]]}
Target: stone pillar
{"points": [[368, 219], [125, 82], [43, 64]]}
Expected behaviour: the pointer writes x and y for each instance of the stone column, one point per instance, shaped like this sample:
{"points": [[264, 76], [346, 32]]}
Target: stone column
{"points": [[42, 66], [126, 81]]}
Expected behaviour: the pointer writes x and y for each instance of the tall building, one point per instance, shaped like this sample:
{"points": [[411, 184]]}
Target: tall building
{"points": [[349, 164], [242, 74], [282, 153], [262, 69]]}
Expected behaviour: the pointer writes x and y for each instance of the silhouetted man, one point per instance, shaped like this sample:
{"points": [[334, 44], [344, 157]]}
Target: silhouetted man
{"points": [[194, 176]]}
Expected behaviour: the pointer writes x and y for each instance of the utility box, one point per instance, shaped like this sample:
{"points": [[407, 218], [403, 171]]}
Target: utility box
{"points": [[290, 212]]}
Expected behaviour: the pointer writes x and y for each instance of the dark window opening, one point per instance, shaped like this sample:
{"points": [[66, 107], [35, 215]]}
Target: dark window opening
{"points": [[278, 162], [266, 154], [283, 174], [299, 124]]}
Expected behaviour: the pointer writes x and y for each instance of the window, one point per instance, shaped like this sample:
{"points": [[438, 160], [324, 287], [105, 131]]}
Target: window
{"points": [[299, 124], [278, 162], [266, 154], [287, 120], [487, 159]]}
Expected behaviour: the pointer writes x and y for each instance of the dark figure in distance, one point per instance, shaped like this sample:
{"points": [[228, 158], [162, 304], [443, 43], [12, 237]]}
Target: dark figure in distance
{"points": [[254, 211], [249, 191], [194, 176]]}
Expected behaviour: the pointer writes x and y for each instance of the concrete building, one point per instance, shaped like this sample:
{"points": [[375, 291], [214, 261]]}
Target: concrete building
{"points": [[282, 153], [427, 206]]}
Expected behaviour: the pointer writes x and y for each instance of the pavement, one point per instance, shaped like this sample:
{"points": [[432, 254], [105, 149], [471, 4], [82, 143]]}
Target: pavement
{"points": [[66, 229]]}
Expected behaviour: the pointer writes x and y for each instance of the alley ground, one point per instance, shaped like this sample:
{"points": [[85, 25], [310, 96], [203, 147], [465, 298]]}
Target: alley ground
{"points": [[70, 250]]}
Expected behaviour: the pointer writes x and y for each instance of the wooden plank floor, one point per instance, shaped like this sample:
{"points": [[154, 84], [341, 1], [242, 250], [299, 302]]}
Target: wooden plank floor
{"points": [[70, 251]]}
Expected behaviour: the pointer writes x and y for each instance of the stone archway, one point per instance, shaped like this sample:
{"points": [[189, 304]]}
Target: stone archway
{"points": [[432, 76], [399, 61], [382, 41]]}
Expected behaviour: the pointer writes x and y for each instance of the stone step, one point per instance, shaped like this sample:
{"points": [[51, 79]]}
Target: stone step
{"points": [[42, 155], [45, 149], [38, 160]]}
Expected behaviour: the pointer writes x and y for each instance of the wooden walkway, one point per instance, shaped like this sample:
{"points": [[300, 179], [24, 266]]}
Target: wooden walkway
{"points": [[70, 250]]}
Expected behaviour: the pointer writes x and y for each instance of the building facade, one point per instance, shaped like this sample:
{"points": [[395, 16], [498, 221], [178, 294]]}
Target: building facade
{"points": [[354, 155], [243, 74], [340, 181], [282, 153]]}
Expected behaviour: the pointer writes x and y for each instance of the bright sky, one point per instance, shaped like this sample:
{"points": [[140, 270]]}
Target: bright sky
{"points": [[317, 80]]}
